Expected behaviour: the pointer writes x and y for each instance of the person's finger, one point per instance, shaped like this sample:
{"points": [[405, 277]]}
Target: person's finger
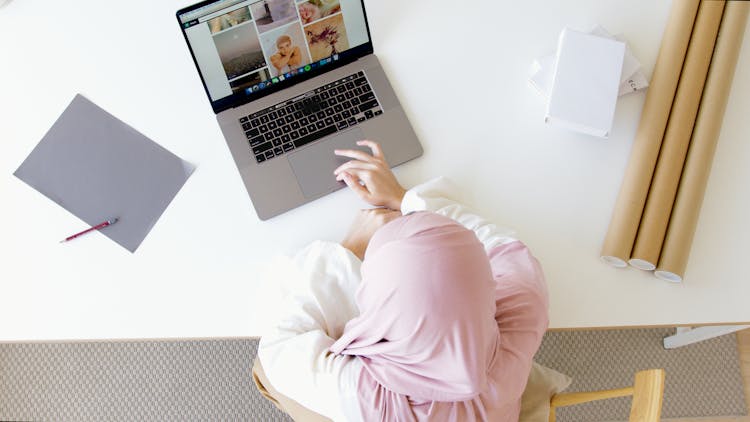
{"points": [[355, 186], [358, 180], [353, 153], [377, 152], [361, 177], [365, 175], [354, 164], [342, 167]]}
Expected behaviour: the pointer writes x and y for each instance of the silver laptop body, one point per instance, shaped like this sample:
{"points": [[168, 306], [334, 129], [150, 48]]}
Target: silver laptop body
{"points": [[281, 168]]}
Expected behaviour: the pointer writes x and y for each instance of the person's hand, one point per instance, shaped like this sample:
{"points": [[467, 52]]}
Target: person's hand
{"points": [[364, 227], [370, 177]]}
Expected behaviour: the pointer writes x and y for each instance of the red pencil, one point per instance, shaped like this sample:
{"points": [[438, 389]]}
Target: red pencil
{"points": [[97, 227]]}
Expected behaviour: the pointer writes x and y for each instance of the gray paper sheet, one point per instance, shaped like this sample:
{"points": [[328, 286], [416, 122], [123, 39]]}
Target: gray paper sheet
{"points": [[97, 167]]}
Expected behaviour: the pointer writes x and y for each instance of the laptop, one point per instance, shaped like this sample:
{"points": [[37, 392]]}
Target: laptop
{"points": [[289, 82]]}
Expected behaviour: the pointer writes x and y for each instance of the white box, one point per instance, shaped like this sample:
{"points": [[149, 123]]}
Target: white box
{"points": [[586, 83]]}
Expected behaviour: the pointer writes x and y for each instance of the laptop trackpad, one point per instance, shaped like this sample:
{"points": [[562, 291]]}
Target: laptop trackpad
{"points": [[314, 165]]}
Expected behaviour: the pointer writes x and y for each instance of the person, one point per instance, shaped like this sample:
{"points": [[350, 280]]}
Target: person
{"points": [[287, 57], [424, 312]]}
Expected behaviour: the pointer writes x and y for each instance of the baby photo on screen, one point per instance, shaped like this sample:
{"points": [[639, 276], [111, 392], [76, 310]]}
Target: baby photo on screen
{"points": [[312, 10], [285, 49]]}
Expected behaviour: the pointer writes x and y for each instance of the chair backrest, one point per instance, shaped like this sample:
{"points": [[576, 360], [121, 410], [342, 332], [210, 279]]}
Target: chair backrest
{"points": [[648, 395], [647, 392]]}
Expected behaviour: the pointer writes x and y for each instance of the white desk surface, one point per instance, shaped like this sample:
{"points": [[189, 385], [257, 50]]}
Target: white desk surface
{"points": [[460, 70]]}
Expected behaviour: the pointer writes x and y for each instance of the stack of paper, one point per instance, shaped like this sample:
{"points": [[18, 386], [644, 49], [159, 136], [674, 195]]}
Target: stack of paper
{"points": [[632, 78], [585, 83]]}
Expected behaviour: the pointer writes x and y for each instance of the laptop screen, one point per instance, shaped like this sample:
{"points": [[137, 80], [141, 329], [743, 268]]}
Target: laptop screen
{"points": [[246, 49]]}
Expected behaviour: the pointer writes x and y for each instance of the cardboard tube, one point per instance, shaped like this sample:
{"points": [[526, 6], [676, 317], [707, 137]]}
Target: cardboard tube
{"points": [[687, 206], [626, 215], [674, 147]]}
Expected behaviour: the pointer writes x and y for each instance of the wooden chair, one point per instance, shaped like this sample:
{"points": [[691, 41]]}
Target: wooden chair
{"points": [[647, 393]]}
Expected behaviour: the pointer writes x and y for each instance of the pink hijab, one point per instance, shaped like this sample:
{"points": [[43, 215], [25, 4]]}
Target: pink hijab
{"points": [[427, 334]]}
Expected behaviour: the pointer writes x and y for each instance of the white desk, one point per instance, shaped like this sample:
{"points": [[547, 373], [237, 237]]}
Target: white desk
{"points": [[460, 69]]}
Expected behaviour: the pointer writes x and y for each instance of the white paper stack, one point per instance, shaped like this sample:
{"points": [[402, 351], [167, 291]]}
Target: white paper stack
{"points": [[586, 82], [632, 78]]}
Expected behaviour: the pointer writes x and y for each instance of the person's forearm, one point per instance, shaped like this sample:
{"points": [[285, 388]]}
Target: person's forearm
{"points": [[398, 198], [357, 249]]}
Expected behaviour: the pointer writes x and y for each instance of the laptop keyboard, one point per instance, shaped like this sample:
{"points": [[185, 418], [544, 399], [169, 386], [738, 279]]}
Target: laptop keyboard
{"points": [[328, 109]]}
